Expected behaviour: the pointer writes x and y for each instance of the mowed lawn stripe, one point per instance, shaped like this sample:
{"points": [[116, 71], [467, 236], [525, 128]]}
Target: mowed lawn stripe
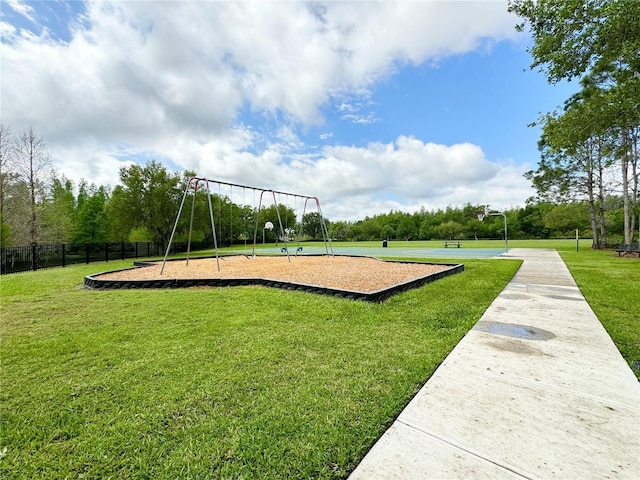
{"points": [[243, 382]]}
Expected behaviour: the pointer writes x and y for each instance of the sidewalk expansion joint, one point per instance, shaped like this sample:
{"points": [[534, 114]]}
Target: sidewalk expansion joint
{"points": [[558, 388], [463, 449], [541, 285]]}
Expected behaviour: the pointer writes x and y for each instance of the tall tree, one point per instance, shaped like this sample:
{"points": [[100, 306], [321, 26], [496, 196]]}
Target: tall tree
{"points": [[371, 229], [629, 182], [6, 154], [572, 166], [565, 218], [32, 160], [635, 173], [312, 225], [92, 225], [149, 197], [340, 231], [58, 212], [449, 230], [573, 37], [598, 40], [407, 229]]}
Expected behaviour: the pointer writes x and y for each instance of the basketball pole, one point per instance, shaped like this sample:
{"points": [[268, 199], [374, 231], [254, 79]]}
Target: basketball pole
{"points": [[494, 214]]}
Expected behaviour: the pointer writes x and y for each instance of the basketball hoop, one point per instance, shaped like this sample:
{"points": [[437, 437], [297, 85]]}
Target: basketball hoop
{"points": [[481, 215]]}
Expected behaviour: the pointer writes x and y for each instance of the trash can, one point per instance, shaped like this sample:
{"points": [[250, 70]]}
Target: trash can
{"points": [[384, 243]]}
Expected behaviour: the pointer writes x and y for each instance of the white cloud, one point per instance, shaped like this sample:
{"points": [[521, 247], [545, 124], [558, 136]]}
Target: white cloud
{"points": [[351, 182], [22, 8], [168, 80], [149, 68], [7, 31], [361, 119], [356, 181], [91, 162]]}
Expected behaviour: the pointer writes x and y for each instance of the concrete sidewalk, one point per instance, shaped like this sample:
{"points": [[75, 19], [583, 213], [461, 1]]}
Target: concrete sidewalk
{"points": [[537, 390]]}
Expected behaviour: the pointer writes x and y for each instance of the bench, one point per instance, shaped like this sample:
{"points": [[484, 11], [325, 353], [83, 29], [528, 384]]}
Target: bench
{"points": [[452, 244], [628, 248]]}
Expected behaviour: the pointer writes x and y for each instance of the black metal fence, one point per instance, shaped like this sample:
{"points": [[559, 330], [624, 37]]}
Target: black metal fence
{"points": [[36, 257]]}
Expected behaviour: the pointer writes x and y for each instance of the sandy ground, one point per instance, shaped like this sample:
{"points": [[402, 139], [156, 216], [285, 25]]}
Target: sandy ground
{"points": [[359, 274]]}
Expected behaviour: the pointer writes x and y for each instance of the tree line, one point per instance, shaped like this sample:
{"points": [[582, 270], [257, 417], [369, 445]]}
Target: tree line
{"points": [[39, 205], [537, 220], [587, 177]]}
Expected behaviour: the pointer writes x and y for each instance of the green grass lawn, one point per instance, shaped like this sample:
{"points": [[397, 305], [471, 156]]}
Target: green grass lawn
{"points": [[611, 285], [558, 244], [244, 382]]}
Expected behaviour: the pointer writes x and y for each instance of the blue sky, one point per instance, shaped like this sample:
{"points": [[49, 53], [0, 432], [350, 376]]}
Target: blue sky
{"points": [[371, 106], [487, 98]]}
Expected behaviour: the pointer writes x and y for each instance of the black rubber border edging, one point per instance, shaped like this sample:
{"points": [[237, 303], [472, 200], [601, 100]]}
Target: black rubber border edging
{"points": [[378, 296]]}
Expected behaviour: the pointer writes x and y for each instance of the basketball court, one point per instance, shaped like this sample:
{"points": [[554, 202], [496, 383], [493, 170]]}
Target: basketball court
{"points": [[456, 253]]}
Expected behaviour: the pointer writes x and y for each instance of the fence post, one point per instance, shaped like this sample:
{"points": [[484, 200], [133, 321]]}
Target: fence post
{"points": [[122, 245], [106, 252], [63, 254], [34, 258], [148, 249], [86, 252], [136, 244]]}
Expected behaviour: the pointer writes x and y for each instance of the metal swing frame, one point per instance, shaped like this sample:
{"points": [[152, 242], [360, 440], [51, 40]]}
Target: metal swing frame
{"points": [[194, 183]]}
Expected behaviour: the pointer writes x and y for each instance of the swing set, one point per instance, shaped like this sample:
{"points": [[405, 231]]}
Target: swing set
{"points": [[197, 183]]}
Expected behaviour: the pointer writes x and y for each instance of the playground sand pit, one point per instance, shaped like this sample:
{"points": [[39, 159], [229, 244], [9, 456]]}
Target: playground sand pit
{"points": [[364, 276]]}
